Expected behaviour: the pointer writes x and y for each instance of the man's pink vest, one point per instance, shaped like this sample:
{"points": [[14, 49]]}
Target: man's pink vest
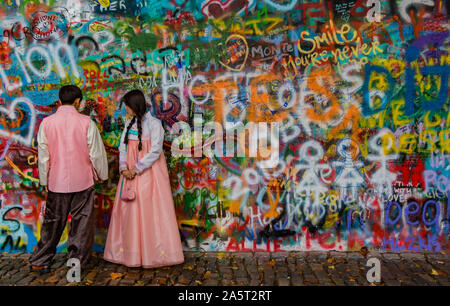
{"points": [[70, 167]]}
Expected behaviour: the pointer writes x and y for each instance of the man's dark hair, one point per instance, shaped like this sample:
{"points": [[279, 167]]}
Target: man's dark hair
{"points": [[69, 93]]}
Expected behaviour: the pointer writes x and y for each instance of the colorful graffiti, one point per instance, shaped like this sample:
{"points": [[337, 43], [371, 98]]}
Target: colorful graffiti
{"points": [[359, 90]]}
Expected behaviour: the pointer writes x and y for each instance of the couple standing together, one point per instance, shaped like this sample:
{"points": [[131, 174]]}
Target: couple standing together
{"points": [[143, 231]]}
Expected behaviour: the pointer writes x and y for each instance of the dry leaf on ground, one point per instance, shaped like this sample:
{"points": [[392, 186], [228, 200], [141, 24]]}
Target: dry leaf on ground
{"points": [[115, 276], [53, 279]]}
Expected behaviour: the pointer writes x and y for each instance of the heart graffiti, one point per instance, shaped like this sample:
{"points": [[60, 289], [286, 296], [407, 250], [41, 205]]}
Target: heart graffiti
{"points": [[10, 112], [237, 51]]}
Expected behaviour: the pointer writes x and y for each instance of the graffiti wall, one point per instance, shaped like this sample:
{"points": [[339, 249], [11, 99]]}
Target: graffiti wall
{"points": [[290, 124]]}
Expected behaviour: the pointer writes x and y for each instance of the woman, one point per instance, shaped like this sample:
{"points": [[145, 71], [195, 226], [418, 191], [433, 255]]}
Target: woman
{"points": [[143, 229]]}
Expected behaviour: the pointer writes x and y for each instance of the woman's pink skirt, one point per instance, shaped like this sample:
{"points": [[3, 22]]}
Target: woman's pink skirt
{"points": [[144, 232]]}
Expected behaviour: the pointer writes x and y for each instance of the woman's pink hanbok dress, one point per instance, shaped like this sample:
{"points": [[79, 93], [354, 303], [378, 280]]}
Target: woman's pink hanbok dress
{"points": [[144, 232]]}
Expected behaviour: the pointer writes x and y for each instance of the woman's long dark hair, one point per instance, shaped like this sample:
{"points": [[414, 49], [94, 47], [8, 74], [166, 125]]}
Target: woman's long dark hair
{"points": [[135, 100]]}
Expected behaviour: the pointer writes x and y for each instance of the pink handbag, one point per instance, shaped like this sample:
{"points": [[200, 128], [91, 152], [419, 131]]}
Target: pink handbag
{"points": [[128, 194]]}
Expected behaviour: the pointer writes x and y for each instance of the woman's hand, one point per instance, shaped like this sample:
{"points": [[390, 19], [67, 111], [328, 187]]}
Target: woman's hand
{"points": [[133, 173], [129, 174]]}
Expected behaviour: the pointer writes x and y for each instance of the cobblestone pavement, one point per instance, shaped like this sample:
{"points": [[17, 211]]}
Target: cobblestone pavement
{"points": [[244, 268]]}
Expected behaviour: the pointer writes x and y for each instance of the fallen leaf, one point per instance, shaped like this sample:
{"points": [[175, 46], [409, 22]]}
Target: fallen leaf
{"points": [[352, 279], [190, 267], [234, 268], [434, 272], [331, 261], [372, 284], [331, 267], [115, 276], [198, 282], [52, 279], [88, 282]]}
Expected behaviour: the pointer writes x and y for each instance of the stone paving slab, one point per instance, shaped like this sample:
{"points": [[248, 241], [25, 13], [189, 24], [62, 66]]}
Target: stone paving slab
{"points": [[243, 269]]}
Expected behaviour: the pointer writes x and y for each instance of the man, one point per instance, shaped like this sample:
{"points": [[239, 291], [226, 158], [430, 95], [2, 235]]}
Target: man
{"points": [[71, 156]]}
